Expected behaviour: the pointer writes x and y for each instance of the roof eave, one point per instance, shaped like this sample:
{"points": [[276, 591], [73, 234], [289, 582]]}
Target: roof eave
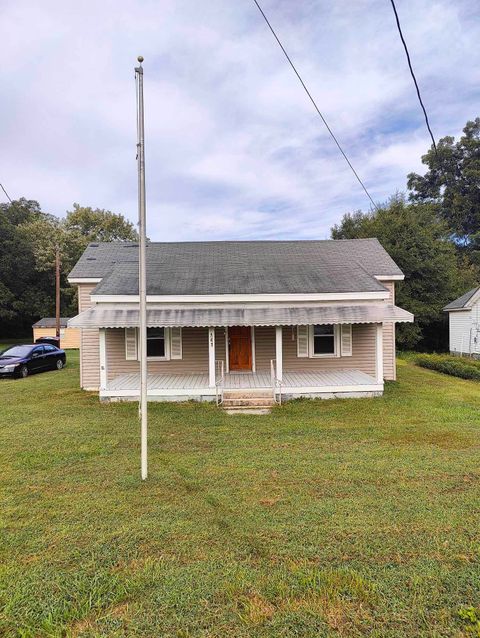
{"points": [[397, 277], [247, 297]]}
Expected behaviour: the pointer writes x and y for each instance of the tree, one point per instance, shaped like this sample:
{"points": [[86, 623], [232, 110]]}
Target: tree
{"points": [[99, 225], [44, 235], [453, 183], [419, 243], [23, 290], [27, 258], [71, 235]]}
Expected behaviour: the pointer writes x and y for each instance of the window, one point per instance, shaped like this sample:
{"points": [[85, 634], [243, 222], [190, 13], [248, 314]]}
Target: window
{"points": [[162, 344], [17, 351], [323, 341], [50, 349], [156, 347]]}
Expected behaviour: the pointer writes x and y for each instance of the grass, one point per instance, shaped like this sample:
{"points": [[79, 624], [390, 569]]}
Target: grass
{"points": [[334, 518]]}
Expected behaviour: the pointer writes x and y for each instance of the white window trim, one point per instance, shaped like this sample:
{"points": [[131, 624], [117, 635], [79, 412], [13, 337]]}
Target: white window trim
{"points": [[170, 339], [136, 342], [336, 344], [166, 336]]}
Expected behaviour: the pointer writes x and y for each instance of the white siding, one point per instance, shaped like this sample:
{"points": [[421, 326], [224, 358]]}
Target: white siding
{"points": [[464, 330]]}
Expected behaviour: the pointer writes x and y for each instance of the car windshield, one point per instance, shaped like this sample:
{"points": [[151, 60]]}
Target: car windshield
{"points": [[17, 351]]}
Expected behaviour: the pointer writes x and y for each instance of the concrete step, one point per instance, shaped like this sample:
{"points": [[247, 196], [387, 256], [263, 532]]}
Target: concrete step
{"points": [[249, 401], [242, 393], [243, 410]]}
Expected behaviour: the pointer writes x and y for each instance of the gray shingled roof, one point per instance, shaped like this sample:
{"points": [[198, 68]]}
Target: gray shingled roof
{"points": [[50, 322], [462, 301], [235, 267]]}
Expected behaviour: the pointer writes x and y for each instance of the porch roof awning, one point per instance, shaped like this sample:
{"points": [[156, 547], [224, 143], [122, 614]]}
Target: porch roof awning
{"points": [[112, 316]]}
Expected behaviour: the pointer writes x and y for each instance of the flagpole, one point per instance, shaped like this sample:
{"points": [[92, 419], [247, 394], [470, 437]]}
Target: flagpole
{"points": [[142, 270], [57, 293]]}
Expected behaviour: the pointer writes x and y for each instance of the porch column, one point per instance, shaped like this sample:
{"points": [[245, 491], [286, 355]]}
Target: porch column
{"points": [[379, 354], [211, 357], [103, 358], [279, 352]]}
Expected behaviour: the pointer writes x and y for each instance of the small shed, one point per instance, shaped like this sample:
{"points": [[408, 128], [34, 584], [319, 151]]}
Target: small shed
{"points": [[464, 324], [46, 327]]}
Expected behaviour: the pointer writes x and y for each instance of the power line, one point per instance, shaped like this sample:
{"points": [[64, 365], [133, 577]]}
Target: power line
{"points": [[8, 196], [315, 104], [413, 74]]}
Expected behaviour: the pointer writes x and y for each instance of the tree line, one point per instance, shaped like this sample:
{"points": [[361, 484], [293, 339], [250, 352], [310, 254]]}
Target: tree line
{"points": [[433, 234], [28, 241]]}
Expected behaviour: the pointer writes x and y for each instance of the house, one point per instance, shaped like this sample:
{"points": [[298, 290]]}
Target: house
{"points": [[46, 327], [294, 318], [464, 323]]}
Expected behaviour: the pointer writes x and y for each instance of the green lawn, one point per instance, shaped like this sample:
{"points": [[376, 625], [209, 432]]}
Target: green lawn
{"points": [[334, 518]]}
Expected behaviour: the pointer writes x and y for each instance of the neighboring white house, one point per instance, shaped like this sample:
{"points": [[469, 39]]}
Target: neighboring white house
{"points": [[464, 323]]}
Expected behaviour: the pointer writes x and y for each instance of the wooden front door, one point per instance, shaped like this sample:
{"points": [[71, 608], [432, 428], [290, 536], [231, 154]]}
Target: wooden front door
{"points": [[240, 348]]}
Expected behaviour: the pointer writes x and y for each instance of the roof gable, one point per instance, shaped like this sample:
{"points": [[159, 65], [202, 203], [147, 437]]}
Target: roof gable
{"points": [[50, 322], [463, 301]]}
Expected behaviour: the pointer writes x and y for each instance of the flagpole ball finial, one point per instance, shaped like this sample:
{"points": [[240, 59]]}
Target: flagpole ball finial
{"points": [[140, 58]]}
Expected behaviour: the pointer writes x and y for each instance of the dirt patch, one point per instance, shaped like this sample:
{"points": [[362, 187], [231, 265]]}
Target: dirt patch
{"points": [[255, 610], [269, 502], [86, 624]]}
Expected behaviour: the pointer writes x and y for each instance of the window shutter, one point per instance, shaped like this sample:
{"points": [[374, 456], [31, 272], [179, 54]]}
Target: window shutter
{"points": [[131, 344], [176, 343], [302, 341], [346, 340]]}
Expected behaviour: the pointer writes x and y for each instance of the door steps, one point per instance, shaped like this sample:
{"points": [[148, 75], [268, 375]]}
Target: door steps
{"points": [[247, 401]]}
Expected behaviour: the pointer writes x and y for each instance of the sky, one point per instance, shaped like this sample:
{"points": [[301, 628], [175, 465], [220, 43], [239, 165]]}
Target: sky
{"points": [[234, 149]]}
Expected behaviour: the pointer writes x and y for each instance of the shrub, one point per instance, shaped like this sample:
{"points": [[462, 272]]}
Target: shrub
{"points": [[455, 366]]}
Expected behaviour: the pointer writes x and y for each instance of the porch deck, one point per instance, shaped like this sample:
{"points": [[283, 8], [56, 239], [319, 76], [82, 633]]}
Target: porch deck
{"points": [[196, 385]]}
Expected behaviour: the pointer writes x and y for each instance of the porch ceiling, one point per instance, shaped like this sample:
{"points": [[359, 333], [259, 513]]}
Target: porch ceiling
{"points": [[115, 316]]}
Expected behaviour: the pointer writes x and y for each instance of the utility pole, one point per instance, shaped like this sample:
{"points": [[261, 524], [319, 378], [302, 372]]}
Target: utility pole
{"points": [[142, 270], [57, 291]]}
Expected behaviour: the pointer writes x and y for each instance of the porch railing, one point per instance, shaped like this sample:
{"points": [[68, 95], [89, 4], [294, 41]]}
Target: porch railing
{"points": [[276, 383], [219, 381]]}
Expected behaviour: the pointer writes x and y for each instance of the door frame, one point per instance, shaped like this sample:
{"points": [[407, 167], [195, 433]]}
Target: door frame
{"points": [[227, 351]]}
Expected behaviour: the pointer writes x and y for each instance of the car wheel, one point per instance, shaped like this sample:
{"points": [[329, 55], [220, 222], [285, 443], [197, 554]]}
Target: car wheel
{"points": [[24, 372], [59, 364]]}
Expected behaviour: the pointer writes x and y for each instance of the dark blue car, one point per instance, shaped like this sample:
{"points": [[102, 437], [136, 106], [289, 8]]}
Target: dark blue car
{"points": [[20, 361]]}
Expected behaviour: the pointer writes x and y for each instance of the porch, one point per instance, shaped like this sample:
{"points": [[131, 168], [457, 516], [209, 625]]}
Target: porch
{"points": [[324, 384]]}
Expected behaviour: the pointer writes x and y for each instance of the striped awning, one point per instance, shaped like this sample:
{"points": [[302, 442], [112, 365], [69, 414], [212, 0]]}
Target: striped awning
{"points": [[115, 316]]}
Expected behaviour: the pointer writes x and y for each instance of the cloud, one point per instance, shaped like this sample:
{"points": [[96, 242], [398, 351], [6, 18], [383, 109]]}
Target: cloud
{"points": [[234, 149]]}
